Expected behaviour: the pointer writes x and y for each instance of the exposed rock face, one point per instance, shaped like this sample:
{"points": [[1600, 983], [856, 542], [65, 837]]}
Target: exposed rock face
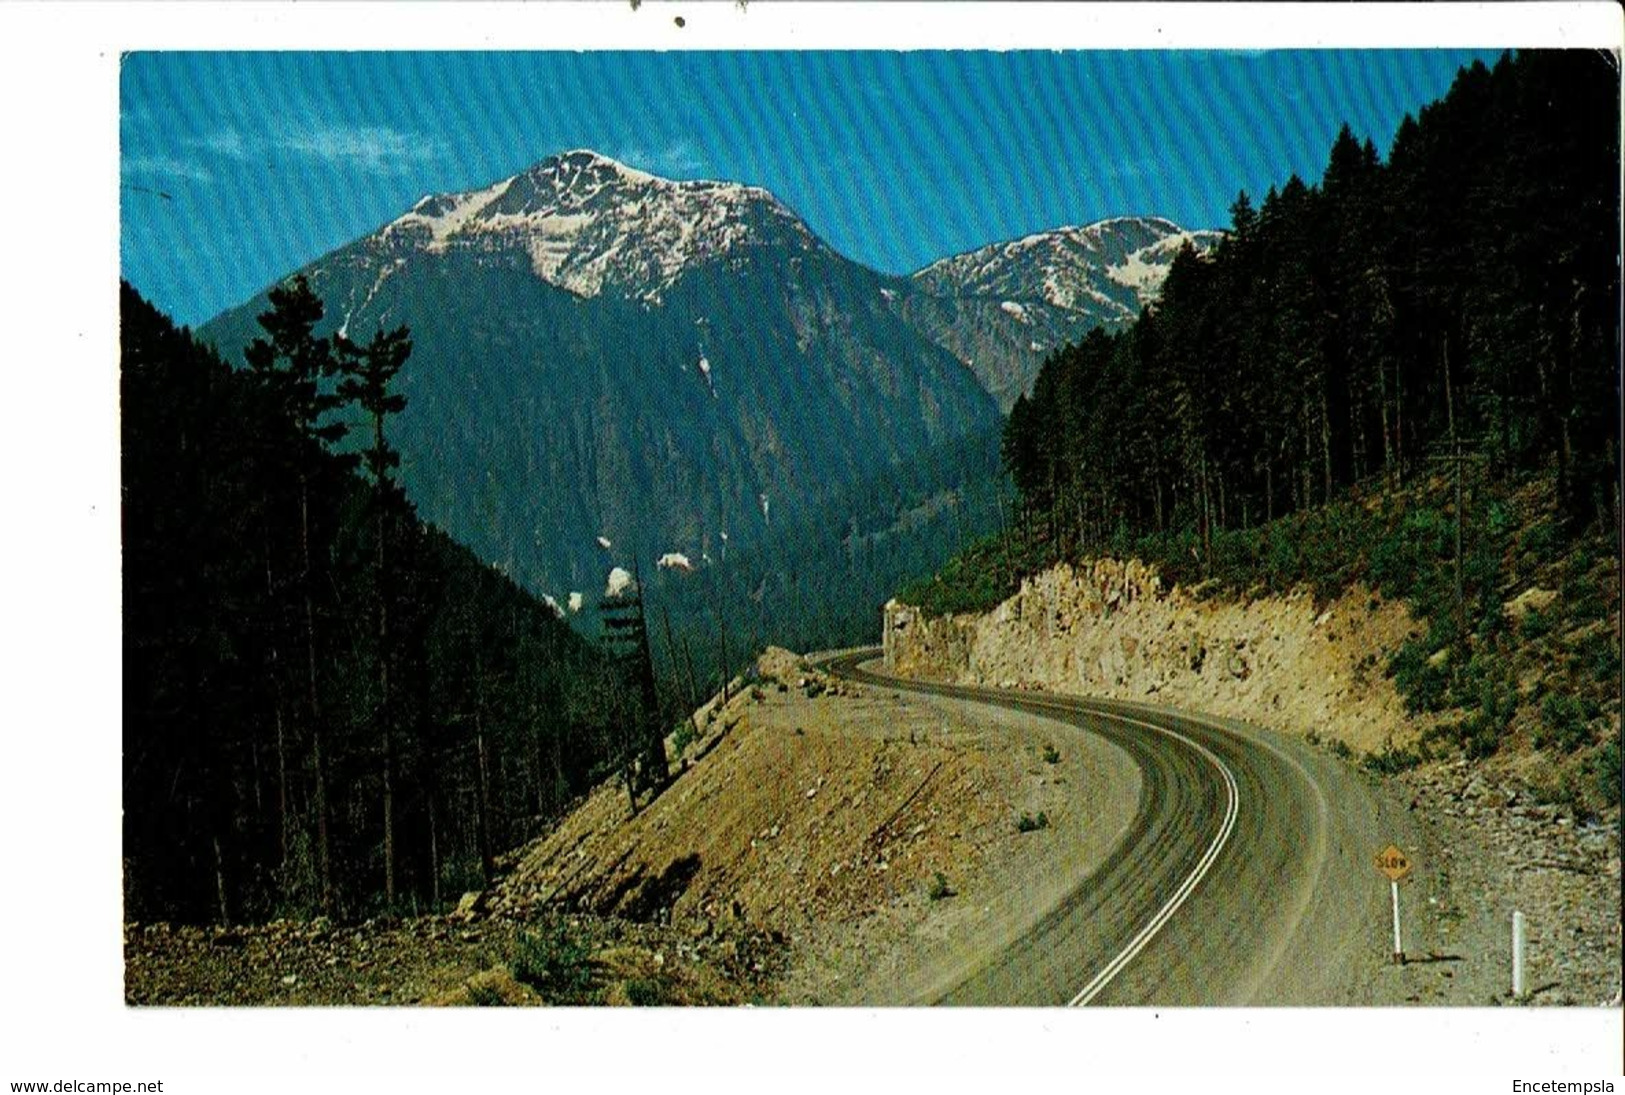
{"points": [[1110, 628]]}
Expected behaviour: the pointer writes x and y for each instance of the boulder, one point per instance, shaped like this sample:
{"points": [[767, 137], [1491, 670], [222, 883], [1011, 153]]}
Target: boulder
{"points": [[1533, 599], [780, 664]]}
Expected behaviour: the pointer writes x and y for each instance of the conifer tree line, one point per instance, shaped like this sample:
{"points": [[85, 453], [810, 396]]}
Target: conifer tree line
{"points": [[329, 706], [1458, 300]]}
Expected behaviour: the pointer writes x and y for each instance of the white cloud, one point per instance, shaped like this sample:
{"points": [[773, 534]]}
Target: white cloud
{"points": [[162, 168], [370, 147], [676, 158], [226, 142], [373, 147]]}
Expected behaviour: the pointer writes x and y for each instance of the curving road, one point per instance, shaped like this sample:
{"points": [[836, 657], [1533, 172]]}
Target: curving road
{"points": [[1245, 877]]}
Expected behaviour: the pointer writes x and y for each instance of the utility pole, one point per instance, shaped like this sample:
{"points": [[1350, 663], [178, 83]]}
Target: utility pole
{"points": [[626, 635], [1455, 444]]}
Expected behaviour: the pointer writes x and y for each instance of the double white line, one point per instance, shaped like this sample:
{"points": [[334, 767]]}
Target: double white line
{"points": [[1188, 886], [1190, 882]]}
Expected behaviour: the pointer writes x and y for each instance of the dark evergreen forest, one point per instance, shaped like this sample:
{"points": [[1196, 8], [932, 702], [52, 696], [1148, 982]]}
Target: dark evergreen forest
{"points": [[1406, 377], [819, 582], [1460, 297], [329, 706]]}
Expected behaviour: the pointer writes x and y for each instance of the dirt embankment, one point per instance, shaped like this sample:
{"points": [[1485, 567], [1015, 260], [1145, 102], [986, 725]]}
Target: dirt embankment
{"points": [[877, 838], [819, 842], [1109, 628]]}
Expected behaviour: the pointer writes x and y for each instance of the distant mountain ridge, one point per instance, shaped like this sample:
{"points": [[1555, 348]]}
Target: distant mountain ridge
{"points": [[1003, 308], [591, 224], [601, 352]]}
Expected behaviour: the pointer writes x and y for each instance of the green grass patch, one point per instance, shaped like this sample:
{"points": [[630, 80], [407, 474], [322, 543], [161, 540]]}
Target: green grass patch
{"points": [[647, 992], [1422, 682], [553, 961], [976, 580], [1563, 723], [1391, 761], [1029, 824], [683, 736], [1599, 657], [1604, 769], [484, 996]]}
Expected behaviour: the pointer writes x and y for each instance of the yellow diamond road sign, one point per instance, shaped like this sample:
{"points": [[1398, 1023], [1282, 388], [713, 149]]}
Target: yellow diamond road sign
{"points": [[1393, 863]]}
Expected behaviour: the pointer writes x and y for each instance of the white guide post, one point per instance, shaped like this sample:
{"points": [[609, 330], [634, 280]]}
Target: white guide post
{"points": [[1517, 955], [1399, 951]]}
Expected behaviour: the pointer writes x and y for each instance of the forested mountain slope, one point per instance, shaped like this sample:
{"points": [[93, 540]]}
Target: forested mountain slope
{"points": [[291, 681], [602, 352], [1407, 376]]}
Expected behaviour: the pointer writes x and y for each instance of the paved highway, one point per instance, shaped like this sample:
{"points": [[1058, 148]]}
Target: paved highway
{"points": [[1245, 877]]}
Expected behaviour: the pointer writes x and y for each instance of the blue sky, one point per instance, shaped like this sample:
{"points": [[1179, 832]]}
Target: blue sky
{"points": [[237, 167]]}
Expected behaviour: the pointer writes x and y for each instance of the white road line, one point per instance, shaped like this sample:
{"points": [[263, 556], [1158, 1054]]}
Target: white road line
{"points": [[1187, 887]]}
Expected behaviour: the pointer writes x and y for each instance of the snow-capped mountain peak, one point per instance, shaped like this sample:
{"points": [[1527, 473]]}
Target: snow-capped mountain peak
{"points": [[1112, 267], [589, 223], [1001, 308]]}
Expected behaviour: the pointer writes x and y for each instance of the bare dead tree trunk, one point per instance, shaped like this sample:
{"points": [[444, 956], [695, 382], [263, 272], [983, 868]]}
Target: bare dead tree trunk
{"points": [[722, 634], [1325, 443], [385, 714], [434, 855], [1382, 412], [281, 735], [1455, 449], [482, 795], [323, 860], [692, 703], [693, 682], [1399, 418], [1207, 517], [220, 881]]}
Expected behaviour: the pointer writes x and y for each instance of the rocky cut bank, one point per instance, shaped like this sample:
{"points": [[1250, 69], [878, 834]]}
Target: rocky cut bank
{"points": [[1111, 628]]}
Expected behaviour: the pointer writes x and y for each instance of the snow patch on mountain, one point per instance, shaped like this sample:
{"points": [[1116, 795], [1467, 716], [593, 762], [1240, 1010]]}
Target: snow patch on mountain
{"points": [[1109, 268], [378, 283], [1145, 270], [619, 582], [444, 215], [590, 224]]}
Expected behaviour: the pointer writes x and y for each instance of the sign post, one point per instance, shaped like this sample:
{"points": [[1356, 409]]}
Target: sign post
{"points": [[1517, 955], [1396, 865]]}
